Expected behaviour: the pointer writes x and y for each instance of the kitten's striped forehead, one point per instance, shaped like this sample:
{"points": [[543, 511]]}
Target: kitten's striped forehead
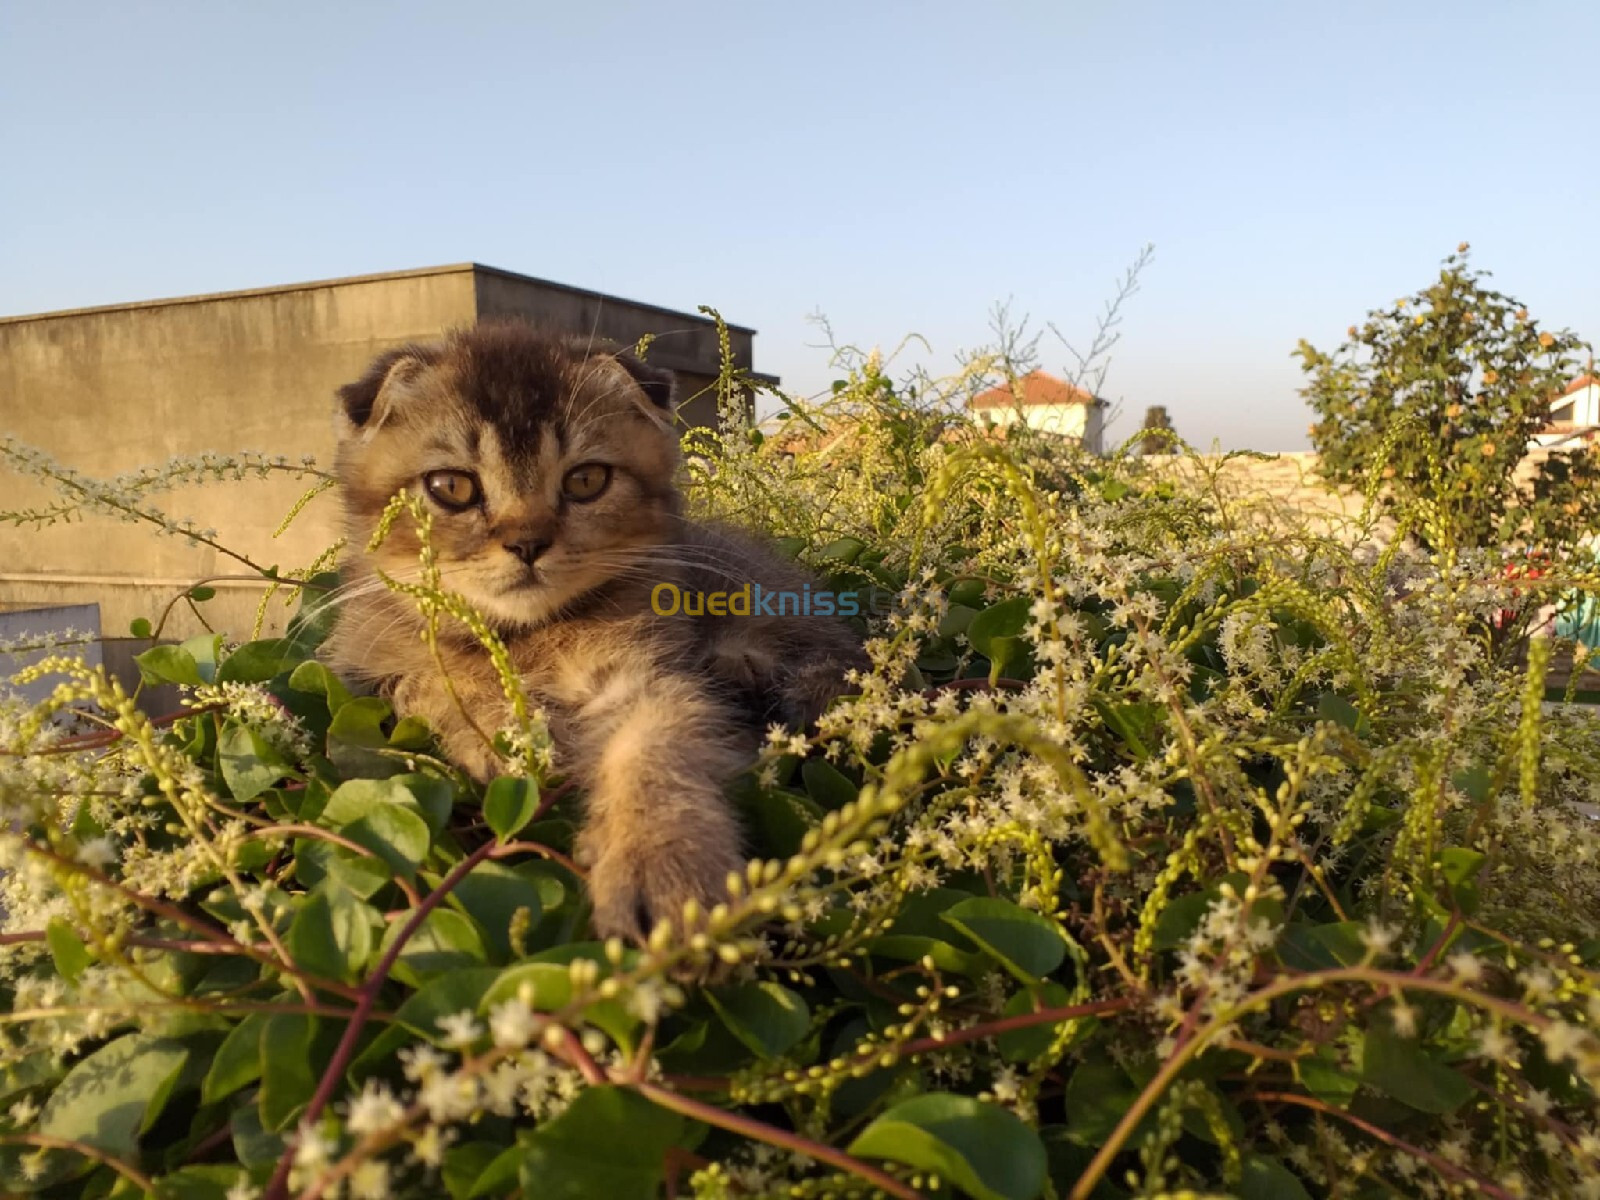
{"points": [[536, 390]]}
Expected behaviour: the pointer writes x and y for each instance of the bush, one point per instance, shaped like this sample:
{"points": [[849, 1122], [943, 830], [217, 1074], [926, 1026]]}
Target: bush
{"points": [[1437, 398], [1157, 852]]}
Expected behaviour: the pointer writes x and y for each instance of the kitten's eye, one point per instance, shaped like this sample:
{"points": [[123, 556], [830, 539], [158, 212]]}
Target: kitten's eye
{"points": [[586, 481], [455, 490]]}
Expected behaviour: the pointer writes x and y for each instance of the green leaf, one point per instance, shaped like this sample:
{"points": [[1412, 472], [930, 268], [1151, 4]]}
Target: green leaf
{"points": [[509, 805], [609, 1142], [332, 934], [764, 1016], [983, 1149], [210, 1181], [1025, 1045], [1474, 782], [1321, 947], [237, 1061], [1268, 1179], [1097, 1095], [85, 1108], [356, 738], [446, 941], [168, 664], [257, 662], [140, 627], [1401, 1068], [396, 835], [956, 621], [826, 784], [432, 797], [254, 1145], [1137, 725], [205, 649], [548, 987], [1327, 1082], [67, 950], [410, 733], [1025, 943], [1335, 708], [466, 1163], [457, 991], [920, 931], [288, 1073], [249, 766], [843, 550], [1461, 867], [315, 679], [968, 593], [499, 1177], [779, 819], [201, 592], [1007, 619], [356, 798], [491, 893]]}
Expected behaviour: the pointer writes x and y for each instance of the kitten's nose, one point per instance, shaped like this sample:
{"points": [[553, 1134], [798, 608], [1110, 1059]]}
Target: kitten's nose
{"points": [[528, 549]]}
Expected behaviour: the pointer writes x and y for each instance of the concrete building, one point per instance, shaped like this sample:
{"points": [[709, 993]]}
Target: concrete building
{"points": [[1047, 403], [108, 391], [1574, 416]]}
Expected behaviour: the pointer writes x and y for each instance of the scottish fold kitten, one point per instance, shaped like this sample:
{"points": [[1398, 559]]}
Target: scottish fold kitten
{"points": [[550, 469]]}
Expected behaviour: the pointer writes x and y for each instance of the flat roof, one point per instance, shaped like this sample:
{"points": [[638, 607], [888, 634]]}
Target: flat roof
{"points": [[312, 285]]}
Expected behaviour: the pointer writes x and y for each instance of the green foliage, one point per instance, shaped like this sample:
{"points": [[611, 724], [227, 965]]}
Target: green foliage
{"points": [[1159, 851], [1434, 400]]}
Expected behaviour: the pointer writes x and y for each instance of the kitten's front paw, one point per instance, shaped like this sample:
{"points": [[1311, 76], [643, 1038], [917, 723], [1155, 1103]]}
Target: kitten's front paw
{"points": [[636, 883]]}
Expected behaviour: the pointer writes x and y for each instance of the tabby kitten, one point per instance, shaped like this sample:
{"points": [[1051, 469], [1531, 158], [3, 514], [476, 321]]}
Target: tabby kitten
{"points": [[550, 472]]}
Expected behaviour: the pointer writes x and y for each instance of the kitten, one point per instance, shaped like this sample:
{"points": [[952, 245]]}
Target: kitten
{"points": [[550, 472]]}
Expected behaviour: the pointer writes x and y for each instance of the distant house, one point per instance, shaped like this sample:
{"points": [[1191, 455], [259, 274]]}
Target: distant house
{"points": [[1046, 403], [1574, 416]]}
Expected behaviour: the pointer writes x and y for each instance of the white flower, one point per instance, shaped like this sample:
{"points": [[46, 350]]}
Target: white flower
{"points": [[370, 1181], [97, 852], [1379, 938], [312, 1151], [374, 1109], [460, 1029], [512, 1024]]}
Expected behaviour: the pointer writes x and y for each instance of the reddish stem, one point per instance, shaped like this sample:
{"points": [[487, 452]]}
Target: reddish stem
{"points": [[1442, 1165]]}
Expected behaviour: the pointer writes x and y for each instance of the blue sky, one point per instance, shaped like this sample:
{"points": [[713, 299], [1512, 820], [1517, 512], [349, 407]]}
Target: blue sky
{"points": [[898, 166]]}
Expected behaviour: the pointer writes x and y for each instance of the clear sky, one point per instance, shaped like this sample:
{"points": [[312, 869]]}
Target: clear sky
{"points": [[897, 166]]}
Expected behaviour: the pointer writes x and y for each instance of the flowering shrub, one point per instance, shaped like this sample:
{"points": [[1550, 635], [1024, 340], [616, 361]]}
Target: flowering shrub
{"points": [[1440, 395], [1158, 853]]}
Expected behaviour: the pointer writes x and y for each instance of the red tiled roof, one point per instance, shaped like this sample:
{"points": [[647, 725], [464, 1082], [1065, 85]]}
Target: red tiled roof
{"points": [[1036, 388], [1579, 384]]}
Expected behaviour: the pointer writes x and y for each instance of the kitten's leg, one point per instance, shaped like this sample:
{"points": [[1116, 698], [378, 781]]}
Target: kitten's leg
{"points": [[801, 666], [657, 751], [463, 740]]}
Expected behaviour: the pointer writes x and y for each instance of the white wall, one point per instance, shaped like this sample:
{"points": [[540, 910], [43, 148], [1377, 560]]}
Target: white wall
{"points": [[1072, 420]]}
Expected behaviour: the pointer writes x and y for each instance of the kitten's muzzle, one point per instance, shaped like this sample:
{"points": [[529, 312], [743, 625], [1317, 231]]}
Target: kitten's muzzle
{"points": [[528, 549]]}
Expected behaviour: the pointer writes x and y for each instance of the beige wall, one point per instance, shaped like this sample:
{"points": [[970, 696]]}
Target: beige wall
{"points": [[111, 391]]}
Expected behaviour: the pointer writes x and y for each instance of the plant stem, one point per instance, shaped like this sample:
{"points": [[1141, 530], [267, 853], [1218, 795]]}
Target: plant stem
{"points": [[757, 1131], [1438, 1163]]}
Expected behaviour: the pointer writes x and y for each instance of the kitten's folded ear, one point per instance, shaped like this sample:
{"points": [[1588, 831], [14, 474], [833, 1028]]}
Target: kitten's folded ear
{"points": [[660, 386], [369, 400]]}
